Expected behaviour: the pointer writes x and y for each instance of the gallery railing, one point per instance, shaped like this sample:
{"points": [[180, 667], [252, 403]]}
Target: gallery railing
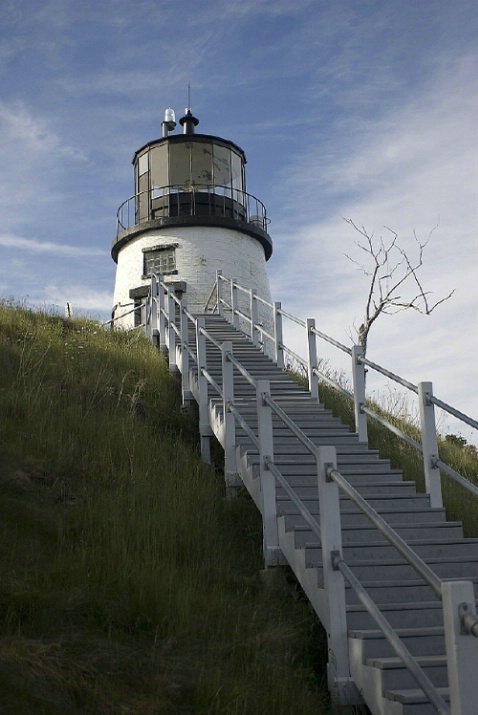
{"points": [[197, 200]]}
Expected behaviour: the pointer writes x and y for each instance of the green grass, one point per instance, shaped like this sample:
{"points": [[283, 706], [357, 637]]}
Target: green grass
{"points": [[128, 583]]}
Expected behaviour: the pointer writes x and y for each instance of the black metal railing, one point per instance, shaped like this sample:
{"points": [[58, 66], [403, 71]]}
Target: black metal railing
{"points": [[197, 200]]}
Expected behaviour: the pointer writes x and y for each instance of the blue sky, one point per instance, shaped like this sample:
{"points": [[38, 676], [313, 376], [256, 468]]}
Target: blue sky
{"points": [[363, 109]]}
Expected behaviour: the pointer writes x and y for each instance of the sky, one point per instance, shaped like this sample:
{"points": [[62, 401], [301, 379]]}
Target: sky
{"points": [[346, 109]]}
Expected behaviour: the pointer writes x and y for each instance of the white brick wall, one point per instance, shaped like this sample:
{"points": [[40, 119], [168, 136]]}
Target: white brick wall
{"points": [[200, 252]]}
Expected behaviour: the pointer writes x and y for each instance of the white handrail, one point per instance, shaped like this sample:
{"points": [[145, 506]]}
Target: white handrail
{"points": [[123, 315], [456, 413], [396, 378]]}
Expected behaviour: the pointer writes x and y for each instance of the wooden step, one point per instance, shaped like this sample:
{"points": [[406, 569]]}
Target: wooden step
{"points": [[364, 488], [383, 550], [414, 701], [421, 614], [393, 674], [370, 642], [379, 502], [354, 518], [460, 567], [368, 532]]}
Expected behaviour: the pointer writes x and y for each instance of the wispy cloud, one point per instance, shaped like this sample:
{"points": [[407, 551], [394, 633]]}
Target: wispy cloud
{"points": [[27, 133], [32, 245], [82, 297], [37, 171]]}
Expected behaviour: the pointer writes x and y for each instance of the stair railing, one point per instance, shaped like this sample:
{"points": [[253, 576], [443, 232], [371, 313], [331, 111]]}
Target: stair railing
{"points": [[457, 597], [335, 568], [250, 323], [428, 447], [112, 321], [330, 537], [209, 307]]}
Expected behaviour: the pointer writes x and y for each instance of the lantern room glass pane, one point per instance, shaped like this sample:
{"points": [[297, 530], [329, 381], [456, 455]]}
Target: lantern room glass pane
{"points": [[201, 164], [180, 164], [236, 171], [159, 166], [222, 166], [237, 178], [142, 205], [143, 164]]}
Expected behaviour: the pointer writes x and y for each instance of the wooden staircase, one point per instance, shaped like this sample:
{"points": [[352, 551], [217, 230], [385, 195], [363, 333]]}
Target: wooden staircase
{"points": [[408, 603]]}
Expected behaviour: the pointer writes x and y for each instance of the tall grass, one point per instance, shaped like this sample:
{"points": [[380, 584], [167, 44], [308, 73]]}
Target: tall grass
{"points": [[128, 583]]}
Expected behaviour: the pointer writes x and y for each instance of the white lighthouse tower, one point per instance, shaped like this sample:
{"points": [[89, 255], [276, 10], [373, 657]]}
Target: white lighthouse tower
{"points": [[190, 216]]}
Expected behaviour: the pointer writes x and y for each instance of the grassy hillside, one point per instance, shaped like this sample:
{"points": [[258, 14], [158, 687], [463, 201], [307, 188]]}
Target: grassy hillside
{"points": [[128, 583]]}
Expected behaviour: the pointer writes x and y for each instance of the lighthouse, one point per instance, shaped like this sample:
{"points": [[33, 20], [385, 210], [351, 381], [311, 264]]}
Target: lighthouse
{"points": [[189, 217]]}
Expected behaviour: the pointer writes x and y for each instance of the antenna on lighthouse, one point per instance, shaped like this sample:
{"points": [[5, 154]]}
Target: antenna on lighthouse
{"points": [[188, 122]]}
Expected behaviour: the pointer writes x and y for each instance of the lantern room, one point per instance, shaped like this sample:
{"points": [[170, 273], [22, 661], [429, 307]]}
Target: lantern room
{"points": [[190, 178], [177, 174]]}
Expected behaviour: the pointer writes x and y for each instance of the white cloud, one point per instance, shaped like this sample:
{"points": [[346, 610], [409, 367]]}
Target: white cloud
{"points": [[30, 135], [81, 297], [29, 244], [34, 166]]}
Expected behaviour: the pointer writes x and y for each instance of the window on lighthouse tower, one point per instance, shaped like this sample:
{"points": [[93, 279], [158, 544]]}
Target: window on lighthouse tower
{"points": [[160, 260]]}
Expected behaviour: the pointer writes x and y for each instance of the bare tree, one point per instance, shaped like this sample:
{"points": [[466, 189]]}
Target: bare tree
{"points": [[391, 273]]}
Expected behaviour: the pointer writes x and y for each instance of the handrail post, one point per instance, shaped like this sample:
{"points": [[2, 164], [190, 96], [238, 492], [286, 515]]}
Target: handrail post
{"points": [[171, 333], [358, 376], [162, 317], [254, 317], [154, 292], [312, 360], [148, 303], [205, 431], [270, 540], [341, 685], [186, 393], [461, 647], [261, 340], [219, 289], [429, 444], [234, 305], [231, 475], [278, 336]]}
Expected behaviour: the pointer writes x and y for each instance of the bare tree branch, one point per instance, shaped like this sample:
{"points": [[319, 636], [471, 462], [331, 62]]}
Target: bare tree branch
{"points": [[391, 271]]}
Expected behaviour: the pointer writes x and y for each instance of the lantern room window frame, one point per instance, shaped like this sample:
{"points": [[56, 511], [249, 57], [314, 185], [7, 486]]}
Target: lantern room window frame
{"points": [[199, 163]]}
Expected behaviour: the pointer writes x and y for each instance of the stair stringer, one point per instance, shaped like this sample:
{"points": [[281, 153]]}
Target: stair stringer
{"points": [[306, 576]]}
